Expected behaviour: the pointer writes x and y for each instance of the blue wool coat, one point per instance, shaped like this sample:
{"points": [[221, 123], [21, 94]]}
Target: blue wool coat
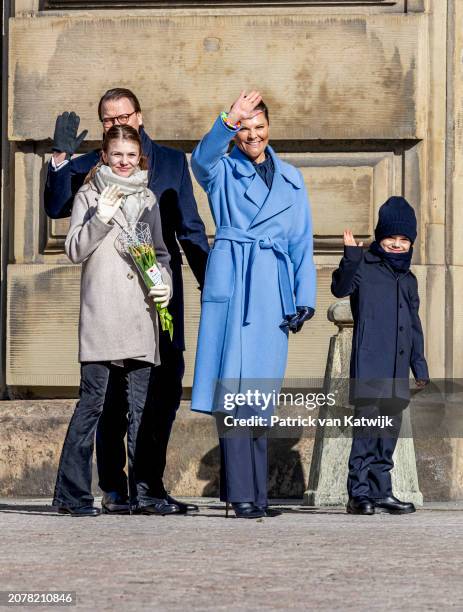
{"points": [[169, 179], [388, 338], [260, 268]]}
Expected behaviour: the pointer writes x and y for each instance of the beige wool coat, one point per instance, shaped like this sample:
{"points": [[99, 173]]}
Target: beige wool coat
{"points": [[117, 318]]}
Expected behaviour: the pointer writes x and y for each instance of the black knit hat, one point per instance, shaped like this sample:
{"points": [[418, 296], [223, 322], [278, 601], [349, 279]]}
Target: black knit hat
{"points": [[396, 217]]}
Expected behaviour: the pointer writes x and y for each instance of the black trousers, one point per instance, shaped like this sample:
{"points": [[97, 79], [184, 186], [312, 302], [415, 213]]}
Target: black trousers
{"points": [[370, 460], [164, 395], [74, 478], [243, 466]]}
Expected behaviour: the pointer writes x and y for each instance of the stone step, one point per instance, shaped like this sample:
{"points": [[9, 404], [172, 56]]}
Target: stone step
{"points": [[32, 433]]}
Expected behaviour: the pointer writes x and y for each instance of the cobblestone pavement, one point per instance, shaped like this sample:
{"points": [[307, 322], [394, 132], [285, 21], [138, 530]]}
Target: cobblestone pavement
{"points": [[306, 559]]}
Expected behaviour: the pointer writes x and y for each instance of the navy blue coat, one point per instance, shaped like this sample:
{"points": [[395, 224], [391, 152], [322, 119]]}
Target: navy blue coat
{"points": [[169, 179], [388, 338]]}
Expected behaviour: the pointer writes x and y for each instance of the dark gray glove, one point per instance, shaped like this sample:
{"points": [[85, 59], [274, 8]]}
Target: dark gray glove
{"points": [[65, 139], [295, 322]]}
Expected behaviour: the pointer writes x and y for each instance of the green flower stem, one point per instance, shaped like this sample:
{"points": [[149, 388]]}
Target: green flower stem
{"points": [[144, 257]]}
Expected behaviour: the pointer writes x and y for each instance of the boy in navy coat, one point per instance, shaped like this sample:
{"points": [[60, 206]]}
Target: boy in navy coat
{"points": [[387, 342]]}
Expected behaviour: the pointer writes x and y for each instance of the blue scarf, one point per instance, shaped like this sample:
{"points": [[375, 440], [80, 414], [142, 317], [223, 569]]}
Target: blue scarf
{"points": [[398, 261]]}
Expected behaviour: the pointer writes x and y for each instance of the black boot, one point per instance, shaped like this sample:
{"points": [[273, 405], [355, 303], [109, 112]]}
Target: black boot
{"points": [[113, 503], [392, 505], [158, 506], [270, 511], [79, 510], [360, 505], [182, 506], [247, 510]]}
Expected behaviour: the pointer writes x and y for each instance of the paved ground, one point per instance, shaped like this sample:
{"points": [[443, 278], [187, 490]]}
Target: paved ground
{"points": [[307, 559]]}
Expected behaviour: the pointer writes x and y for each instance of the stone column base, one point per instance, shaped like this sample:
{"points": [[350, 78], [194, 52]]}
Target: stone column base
{"points": [[328, 475]]}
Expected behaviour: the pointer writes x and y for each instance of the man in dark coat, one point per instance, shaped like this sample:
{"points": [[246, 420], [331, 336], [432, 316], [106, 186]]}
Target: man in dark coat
{"points": [[169, 179], [387, 342]]}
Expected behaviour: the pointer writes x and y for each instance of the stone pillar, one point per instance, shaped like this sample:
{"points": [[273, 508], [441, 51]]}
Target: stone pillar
{"points": [[328, 470]]}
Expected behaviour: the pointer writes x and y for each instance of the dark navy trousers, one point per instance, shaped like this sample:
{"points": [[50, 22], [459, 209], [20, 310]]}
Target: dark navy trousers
{"points": [[243, 466], [370, 461]]}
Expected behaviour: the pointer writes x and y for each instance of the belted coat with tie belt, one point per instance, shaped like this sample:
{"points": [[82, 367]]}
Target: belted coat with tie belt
{"points": [[260, 268]]}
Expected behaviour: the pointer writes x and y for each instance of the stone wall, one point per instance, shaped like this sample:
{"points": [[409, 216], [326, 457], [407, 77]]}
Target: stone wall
{"points": [[357, 101], [365, 98]]}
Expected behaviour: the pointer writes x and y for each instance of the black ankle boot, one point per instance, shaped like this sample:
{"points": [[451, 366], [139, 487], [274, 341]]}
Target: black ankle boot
{"points": [[392, 505], [79, 510], [270, 511], [183, 507], [360, 505], [247, 510], [160, 507], [114, 503]]}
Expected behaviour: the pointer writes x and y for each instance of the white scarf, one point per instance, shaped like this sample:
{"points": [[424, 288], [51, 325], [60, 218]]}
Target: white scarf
{"points": [[132, 187]]}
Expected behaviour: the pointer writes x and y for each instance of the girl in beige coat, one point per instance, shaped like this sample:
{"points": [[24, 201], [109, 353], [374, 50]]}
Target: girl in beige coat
{"points": [[118, 325]]}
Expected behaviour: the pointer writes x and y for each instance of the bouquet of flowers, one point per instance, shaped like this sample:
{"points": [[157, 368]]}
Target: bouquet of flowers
{"points": [[136, 241]]}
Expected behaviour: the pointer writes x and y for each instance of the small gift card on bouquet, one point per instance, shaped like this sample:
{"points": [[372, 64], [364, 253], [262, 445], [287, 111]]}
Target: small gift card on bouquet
{"points": [[155, 275], [136, 241]]}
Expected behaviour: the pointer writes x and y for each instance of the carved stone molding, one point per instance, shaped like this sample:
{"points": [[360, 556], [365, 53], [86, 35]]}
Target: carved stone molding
{"points": [[143, 4]]}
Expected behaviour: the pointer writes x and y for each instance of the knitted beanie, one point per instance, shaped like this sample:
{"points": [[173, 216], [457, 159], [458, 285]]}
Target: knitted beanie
{"points": [[396, 217]]}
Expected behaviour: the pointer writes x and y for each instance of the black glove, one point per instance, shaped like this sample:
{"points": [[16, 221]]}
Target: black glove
{"points": [[295, 322], [65, 139]]}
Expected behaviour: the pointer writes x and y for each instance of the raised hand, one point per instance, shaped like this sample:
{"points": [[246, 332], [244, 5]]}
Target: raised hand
{"points": [[65, 139], [109, 203], [243, 107], [349, 239]]}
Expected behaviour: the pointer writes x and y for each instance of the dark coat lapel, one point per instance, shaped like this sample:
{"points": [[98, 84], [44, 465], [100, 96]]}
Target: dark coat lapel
{"points": [[148, 148]]}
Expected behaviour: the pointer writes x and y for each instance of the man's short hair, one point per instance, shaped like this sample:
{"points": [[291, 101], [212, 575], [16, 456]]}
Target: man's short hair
{"points": [[116, 94]]}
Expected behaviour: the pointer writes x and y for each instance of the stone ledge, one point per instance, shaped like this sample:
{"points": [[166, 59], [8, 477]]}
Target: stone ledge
{"points": [[32, 432]]}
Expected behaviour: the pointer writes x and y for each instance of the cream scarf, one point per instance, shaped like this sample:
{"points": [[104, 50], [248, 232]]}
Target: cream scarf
{"points": [[132, 187]]}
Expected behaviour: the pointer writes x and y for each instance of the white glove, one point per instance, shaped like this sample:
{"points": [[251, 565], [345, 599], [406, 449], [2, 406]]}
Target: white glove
{"points": [[160, 294], [109, 203]]}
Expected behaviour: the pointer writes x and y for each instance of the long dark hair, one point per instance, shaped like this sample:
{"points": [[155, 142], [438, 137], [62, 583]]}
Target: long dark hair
{"points": [[119, 132]]}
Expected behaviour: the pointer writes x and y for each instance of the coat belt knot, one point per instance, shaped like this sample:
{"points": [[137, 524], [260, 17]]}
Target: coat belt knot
{"points": [[258, 243]]}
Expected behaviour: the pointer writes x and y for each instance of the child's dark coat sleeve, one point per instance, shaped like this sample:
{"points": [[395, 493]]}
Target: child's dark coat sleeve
{"points": [[417, 359], [345, 278]]}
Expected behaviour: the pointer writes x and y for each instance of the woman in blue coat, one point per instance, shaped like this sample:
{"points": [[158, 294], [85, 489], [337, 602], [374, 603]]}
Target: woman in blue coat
{"points": [[260, 283]]}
